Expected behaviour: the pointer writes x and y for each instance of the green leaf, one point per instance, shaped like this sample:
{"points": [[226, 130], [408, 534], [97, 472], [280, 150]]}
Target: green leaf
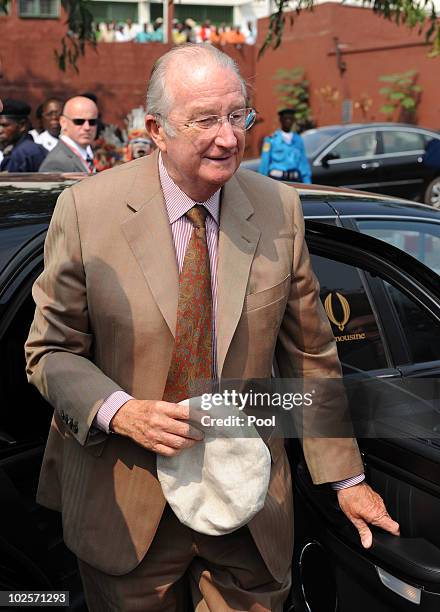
{"points": [[397, 95], [388, 109], [408, 103], [385, 90], [390, 78]]}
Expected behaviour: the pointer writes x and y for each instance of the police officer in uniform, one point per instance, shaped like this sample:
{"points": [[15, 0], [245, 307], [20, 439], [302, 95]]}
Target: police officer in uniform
{"points": [[20, 152], [283, 156]]}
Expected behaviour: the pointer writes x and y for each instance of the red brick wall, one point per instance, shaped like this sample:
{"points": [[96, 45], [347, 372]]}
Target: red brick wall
{"points": [[372, 47], [116, 72]]}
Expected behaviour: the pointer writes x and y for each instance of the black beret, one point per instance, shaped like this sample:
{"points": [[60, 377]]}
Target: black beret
{"points": [[15, 108], [286, 111]]}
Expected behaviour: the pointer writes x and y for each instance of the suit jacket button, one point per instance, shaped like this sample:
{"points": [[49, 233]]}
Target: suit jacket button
{"points": [[62, 414], [75, 428]]}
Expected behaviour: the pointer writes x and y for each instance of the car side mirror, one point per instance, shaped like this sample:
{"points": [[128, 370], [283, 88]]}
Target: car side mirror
{"points": [[327, 158]]}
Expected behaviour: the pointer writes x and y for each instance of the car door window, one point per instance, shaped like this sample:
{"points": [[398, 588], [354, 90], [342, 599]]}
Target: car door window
{"points": [[356, 145], [422, 333], [400, 141], [390, 406], [350, 312], [419, 239]]}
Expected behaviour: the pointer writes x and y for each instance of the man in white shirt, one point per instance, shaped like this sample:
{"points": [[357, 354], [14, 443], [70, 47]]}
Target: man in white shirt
{"points": [[130, 30], [73, 153], [52, 109]]}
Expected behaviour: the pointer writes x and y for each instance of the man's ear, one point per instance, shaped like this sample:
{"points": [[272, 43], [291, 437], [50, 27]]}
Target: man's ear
{"points": [[63, 124], [156, 132]]}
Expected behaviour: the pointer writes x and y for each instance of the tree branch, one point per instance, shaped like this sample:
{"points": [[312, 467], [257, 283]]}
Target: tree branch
{"points": [[79, 33], [412, 13]]}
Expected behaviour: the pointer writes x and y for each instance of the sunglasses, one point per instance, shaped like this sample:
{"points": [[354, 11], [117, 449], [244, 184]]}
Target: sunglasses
{"points": [[92, 122]]}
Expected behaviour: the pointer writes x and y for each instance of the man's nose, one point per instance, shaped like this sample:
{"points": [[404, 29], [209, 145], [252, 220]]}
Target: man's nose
{"points": [[226, 136]]}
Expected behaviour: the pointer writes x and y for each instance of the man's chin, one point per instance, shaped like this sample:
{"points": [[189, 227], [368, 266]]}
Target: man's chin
{"points": [[220, 173]]}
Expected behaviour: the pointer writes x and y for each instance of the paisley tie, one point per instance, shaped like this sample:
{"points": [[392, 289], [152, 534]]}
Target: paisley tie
{"points": [[191, 364]]}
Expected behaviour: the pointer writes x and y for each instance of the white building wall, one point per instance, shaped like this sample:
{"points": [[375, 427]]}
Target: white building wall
{"points": [[244, 10], [144, 11]]}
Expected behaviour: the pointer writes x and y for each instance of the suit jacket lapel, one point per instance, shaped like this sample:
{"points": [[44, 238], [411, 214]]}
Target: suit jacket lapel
{"points": [[72, 156], [148, 232], [238, 240]]}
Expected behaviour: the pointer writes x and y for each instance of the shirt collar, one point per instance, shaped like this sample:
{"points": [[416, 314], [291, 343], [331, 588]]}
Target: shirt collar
{"points": [[178, 203], [83, 152], [48, 136]]}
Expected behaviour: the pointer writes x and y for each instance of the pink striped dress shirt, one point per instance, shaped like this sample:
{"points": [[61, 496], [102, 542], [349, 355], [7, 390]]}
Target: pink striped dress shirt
{"points": [[177, 204]]}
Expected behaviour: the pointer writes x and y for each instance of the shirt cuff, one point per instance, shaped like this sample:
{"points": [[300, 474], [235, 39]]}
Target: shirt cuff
{"points": [[349, 482], [109, 408]]}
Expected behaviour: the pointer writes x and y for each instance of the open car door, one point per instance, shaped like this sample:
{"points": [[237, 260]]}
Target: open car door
{"points": [[384, 307]]}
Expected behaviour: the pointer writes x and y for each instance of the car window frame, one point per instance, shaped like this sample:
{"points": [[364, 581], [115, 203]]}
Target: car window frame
{"points": [[393, 328], [379, 149], [376, 257], [379, 217], [318, 160], [411, 152]]}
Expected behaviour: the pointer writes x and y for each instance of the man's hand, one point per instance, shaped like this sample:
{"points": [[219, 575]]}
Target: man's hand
{"points": [[156, 425], [362, 505]]}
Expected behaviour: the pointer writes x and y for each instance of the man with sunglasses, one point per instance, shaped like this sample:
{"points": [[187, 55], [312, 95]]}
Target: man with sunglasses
{"points": [[170, 269], [73, 153]]}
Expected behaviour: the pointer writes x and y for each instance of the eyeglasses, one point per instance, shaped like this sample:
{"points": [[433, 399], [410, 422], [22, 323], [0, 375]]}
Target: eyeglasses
{"points": [[92, 122], [241, 119]]}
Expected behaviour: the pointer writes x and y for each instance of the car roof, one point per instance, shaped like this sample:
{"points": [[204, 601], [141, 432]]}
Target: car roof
{"points": [[348, 201]]}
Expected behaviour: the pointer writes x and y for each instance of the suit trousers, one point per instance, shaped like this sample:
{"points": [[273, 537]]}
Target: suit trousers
{"points": [[219, 573]]}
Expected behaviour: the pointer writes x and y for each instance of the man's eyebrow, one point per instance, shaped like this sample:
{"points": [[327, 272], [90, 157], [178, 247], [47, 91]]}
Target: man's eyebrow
{"points": [[203, 110], [206, 110]]}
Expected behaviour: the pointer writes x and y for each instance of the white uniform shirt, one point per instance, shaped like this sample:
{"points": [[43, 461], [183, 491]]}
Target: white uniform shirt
{"points": [[46, 139]]}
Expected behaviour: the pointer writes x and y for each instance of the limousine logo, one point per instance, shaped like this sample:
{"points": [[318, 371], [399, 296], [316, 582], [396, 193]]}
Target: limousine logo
{"points": [[345, 306]]}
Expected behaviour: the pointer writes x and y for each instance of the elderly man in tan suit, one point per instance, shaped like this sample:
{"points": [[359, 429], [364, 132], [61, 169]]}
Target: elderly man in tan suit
{"points": [[104, 350]]}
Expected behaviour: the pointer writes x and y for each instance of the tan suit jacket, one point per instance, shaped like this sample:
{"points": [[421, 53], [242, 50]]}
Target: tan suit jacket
{"points": [[106, 318]]}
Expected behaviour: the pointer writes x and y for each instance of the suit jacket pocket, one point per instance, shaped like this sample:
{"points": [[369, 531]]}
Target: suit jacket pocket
{"points": [[267, 296]]}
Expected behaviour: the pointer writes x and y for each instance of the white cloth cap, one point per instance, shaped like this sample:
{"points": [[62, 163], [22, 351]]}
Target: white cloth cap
{"points": [[220, 483]]}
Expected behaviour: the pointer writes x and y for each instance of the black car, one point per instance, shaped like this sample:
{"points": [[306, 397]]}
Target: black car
{"points": [[388, 337], [384, 307], [385, 158]]}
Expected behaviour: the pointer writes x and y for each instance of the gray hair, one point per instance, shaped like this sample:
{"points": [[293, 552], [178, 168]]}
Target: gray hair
{"points": [[159, 100]]}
